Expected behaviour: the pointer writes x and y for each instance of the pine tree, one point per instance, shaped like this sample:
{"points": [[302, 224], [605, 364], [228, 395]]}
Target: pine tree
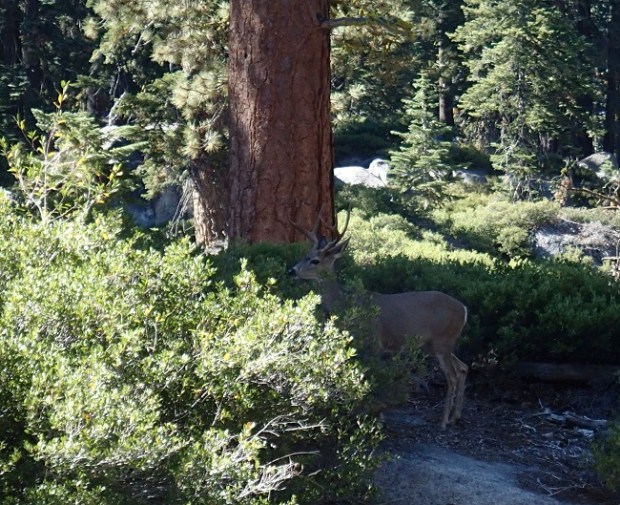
{"points": [[41, 44], [180, 105], [421, 163], [528, 80]]}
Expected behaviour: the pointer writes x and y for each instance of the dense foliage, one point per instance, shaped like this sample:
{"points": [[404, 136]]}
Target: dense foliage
{"points": [[68, 165], [530, 85], [132, 374], [524, 80], [607, 461], [135, 372], [561, 310]]}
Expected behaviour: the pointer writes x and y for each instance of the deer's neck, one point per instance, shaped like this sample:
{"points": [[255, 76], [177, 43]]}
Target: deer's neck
{"points": [[331, 294]]}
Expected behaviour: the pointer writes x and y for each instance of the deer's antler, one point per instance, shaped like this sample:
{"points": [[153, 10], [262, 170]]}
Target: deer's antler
{"points": [[334, 229], [311, 234]]}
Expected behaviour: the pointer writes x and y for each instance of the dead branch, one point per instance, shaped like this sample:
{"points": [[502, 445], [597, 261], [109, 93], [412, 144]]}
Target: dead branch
{"points": [[566, 372], [613, 199]]}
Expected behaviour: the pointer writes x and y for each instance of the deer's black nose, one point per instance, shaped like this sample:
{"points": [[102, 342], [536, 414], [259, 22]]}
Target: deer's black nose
{"points": [[292, 272]]}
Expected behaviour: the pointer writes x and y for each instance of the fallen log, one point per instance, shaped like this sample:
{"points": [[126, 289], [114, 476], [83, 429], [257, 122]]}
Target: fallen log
{"points": [[551, 372], [573, 420], [585, 422]]}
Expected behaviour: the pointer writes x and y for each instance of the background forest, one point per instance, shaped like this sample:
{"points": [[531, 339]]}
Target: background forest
{"points": [[135, 368]]}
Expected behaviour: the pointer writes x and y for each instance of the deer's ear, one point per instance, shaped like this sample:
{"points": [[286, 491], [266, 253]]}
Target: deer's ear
{"points": [[340, 248]]}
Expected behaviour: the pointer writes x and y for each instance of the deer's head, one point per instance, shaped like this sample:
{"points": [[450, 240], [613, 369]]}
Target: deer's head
{"points": [[318, 263]]}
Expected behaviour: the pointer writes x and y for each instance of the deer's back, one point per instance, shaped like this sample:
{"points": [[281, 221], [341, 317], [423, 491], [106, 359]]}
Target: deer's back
{"points": [[435, 317]]}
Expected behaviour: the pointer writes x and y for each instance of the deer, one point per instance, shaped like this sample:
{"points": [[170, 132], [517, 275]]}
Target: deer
{"points": [[434, 319]]}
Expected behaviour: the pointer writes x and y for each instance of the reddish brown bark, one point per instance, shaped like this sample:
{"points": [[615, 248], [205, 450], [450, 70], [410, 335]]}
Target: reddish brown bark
{"points": [[209, 198], [280, 134]]}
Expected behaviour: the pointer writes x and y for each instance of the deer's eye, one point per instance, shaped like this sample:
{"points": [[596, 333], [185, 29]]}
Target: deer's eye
{"points": [[314, 261]]}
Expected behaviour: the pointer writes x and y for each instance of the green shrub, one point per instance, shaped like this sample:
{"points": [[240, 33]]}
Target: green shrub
{"points": [[556, 310], [553, 310], [130, 375], [606, 454], [369, 201], [493, 224], [585, 215], [468, 156], [66, 166]]}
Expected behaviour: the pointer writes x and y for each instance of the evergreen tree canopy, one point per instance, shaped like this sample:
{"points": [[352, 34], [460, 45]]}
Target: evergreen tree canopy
{"points": [[531, 87]]}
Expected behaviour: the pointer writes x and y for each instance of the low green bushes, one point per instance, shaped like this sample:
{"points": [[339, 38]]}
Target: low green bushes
{"points": [[557, 310], [606, 452], [130, 375], [493, 224]]}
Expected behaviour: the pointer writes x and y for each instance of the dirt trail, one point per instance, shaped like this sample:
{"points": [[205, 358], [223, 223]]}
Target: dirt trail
{"points": [[512, 448], [431, 475]]}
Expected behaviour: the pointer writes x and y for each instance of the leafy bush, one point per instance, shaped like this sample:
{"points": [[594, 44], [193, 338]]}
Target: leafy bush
{"points": [[389, 377], [495, 225], [67, 166], [606, 453], [585, 215], [132, 375], [524, 310], [370, 201]]}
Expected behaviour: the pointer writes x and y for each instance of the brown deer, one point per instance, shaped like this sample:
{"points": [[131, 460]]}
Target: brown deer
{"points": [[436, 319]]}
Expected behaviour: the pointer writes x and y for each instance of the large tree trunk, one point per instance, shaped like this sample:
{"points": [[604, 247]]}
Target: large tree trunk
{"points": [[446, 93], [209, 201], [280, 134], [9, 32]]}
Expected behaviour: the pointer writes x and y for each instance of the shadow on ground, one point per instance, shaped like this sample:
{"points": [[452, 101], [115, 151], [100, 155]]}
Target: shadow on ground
{"points": [[511, 448]]}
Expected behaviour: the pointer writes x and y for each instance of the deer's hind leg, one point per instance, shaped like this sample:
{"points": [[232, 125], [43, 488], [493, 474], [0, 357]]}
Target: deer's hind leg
{"points": [[449, 369], [461, 370]]}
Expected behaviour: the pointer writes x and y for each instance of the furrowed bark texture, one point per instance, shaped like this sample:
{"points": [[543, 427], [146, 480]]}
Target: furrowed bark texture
{"points": [[210, 201], [281, 141]]}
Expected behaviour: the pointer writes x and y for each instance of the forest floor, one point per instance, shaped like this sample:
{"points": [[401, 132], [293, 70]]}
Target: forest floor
{"points": [[519, 442]]}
